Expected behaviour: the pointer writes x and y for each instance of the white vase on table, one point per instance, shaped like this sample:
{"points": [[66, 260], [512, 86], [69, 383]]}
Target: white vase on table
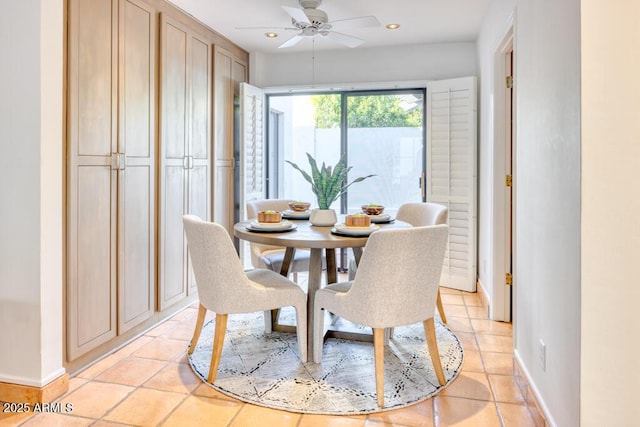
{"points": [[323, 217]]}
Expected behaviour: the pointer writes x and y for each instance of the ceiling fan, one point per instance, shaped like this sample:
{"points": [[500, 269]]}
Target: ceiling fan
{"points": [[309, 21]]}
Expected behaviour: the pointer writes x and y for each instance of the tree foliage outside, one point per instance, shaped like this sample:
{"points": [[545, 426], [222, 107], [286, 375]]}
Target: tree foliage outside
{"points": [[364, 112]]}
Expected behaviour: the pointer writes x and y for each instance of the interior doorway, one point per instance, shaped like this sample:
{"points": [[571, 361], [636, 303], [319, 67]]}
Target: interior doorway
{"points": [[504, 179]]}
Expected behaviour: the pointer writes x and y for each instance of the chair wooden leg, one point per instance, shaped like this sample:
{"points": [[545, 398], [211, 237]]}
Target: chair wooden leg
{"points": [[432, 344], [443, 317], [378, 353], [202, 312], [218, 342]]}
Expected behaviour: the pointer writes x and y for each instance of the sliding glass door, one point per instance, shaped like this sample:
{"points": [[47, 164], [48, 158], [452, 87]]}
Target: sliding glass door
{"points": [[379, 132], [385, 136]]}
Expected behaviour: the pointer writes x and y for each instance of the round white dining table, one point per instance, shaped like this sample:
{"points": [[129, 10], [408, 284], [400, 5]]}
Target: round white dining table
{"points": [[317, 239]]}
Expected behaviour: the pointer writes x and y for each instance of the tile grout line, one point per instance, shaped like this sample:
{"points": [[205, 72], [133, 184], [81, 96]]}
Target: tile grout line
{"points": [[243, 405]]}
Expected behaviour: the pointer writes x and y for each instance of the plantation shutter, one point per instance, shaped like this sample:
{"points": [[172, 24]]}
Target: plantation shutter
{"points": [[252, 146], [452, 173]]}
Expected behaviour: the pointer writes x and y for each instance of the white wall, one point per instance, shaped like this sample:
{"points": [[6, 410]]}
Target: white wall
{"points": [[547, 182], [51, 185], [610, 378], [31, 192], [406, 63], [491, 170]]}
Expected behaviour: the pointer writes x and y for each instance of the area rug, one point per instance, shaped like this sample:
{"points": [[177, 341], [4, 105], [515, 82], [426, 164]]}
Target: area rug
{"points": [[265, 369]]}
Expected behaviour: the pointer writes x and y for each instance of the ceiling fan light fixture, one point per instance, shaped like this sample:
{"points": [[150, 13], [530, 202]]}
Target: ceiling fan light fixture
{"points": [[309, 22], [392, 26]]}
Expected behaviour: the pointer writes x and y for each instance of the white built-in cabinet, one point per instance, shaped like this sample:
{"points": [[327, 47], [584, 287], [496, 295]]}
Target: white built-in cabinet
{"points": [[185, 150], [229, 71], [111, 270]]}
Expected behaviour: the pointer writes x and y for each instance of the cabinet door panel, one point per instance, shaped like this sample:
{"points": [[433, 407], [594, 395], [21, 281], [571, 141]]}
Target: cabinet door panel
{"points": [[223, 104], [224, 202], [174, 78], [200, 137], [137, 82], [199, 187], [239, 75], [200, 99], [174, 90], [136, 219], [91, 70], [227, 71], [136, 284], [93, 273], [173, 261], [92, 184]]}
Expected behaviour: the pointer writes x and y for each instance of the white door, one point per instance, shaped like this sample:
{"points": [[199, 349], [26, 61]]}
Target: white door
{"points": [[252, 146], [451, 173]]}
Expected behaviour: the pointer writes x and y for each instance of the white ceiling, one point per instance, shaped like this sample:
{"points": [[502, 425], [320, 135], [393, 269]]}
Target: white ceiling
{"points": [[421, 21]]}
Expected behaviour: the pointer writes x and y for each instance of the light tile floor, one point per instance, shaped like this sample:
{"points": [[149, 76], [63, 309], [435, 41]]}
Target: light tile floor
{"points": [[150, 383]]}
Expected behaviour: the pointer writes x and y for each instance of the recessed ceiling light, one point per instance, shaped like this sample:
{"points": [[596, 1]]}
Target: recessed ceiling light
{"points": [[271, 35], [393, 26]]}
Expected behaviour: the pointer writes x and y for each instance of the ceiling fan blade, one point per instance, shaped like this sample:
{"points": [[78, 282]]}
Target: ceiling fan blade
{"points": [[291, 42], [267, 28], [344, 39], [298, 15], [359, 22]]}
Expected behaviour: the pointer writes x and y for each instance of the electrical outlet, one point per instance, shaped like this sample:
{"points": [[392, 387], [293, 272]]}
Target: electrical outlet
{"points": [[542, 355]]}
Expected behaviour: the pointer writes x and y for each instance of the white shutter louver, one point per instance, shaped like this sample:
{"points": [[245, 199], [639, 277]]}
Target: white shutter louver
{"points": [[451, 173], [252, 145]]}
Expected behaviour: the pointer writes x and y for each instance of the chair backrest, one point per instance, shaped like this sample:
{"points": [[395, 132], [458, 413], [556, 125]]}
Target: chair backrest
{"points": [[255, 206], [219, 275], [397, 280], [421, 214]]}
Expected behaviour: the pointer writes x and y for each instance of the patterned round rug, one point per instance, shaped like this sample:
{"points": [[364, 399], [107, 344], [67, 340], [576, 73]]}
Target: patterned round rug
{"points": [[265, 369]]}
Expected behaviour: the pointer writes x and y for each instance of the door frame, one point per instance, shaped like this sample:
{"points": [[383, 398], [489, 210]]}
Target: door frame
{"points": [[504, 147]]}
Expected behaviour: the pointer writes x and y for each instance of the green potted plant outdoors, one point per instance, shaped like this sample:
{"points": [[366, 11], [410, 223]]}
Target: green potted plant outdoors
{"points": [[328, 184]]}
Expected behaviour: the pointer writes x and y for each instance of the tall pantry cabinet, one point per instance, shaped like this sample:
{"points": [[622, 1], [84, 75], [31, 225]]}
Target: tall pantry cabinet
{"points": [[111, 170], [230, 70], [140, 149], [185, 146]]}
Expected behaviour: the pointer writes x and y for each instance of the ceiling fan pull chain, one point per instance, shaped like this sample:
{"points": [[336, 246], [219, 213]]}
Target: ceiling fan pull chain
{"points": [[313, 63]]}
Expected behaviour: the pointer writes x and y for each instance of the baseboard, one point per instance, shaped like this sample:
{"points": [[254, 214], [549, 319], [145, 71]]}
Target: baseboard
{"points": [[532, 399], [482, 293], [18, 393]]}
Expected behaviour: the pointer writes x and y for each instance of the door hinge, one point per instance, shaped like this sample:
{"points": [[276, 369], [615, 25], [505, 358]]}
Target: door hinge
{"points": [[509, 279], [509, 181], [509, 82]]}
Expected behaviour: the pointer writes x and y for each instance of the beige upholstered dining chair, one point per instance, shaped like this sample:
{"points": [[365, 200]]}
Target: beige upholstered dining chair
{"points": [[271, 257], [421, 214], [418, 214], [396, 284], [225, 288]]}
